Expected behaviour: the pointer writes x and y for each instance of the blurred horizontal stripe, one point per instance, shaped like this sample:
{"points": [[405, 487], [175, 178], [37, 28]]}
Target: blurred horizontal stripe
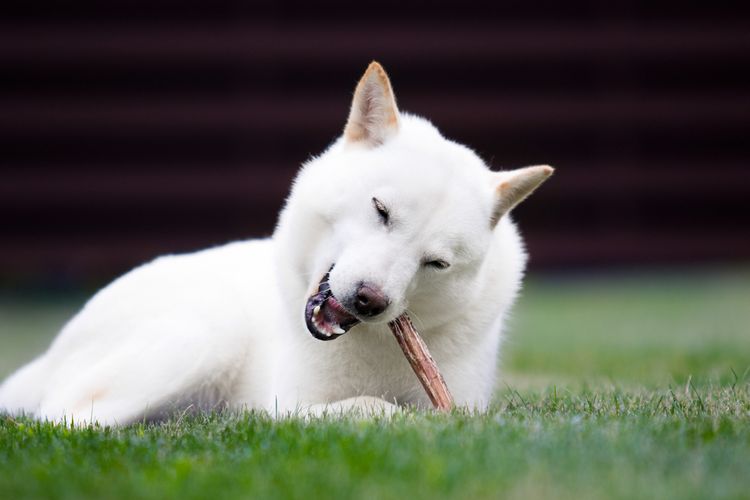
{"points": [[137, 128]]}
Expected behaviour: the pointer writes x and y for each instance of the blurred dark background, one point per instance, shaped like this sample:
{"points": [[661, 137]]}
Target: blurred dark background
{"points": [[131, 129]]}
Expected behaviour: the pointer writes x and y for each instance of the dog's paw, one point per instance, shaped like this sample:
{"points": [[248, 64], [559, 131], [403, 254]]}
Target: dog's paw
{"points": [[357, 407]]}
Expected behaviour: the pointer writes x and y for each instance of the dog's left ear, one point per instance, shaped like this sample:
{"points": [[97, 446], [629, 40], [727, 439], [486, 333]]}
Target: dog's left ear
{"points": [[373, 117], [512, 187]]}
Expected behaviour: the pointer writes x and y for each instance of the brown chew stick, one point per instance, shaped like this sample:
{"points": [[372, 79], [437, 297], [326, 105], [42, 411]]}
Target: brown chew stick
{"points": [[421, 362]]}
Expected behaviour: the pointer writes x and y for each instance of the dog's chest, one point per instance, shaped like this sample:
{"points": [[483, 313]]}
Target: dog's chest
{"points": [[366, 363]]}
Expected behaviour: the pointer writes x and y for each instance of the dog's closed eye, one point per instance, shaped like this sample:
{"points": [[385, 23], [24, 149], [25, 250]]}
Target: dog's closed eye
{"points": [[437, 264], [382, 211]]}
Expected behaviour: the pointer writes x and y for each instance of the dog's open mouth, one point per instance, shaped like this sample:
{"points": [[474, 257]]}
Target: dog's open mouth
{"points": [[325, 317]]}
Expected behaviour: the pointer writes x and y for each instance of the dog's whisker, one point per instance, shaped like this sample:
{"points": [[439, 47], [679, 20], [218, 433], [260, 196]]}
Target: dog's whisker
{"points": [[414, 315]]}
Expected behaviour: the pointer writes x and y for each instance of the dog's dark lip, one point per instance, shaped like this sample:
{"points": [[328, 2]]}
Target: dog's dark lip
{"points": [[325, 317]]}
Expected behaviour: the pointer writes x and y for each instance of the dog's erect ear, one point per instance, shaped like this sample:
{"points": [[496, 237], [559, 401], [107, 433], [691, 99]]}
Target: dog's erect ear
{"points": [[374, 115], [512, 187]]}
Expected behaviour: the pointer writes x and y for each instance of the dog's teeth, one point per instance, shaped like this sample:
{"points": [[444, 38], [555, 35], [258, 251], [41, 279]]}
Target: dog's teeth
{"points": [[316, 310], [327, 333], [337, 329]]}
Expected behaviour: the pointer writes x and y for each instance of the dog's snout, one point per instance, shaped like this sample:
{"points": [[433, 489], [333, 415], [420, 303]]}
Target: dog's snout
{"points": [[370, 300]]}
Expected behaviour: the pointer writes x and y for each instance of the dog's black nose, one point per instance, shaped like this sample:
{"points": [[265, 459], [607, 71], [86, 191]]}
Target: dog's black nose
{"points": [[370, 300]]}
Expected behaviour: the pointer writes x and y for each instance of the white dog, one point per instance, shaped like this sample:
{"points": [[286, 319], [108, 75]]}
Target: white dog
{"points": [[392, 218]]}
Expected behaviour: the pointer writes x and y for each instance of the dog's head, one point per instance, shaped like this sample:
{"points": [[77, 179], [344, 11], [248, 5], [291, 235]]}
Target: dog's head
{"points": [[394, 216]]}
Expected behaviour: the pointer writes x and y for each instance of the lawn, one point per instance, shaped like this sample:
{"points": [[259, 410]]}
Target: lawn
{"points": [[629, 386]]}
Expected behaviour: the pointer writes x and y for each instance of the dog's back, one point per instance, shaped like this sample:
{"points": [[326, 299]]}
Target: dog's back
{"points": [[171, 333]]}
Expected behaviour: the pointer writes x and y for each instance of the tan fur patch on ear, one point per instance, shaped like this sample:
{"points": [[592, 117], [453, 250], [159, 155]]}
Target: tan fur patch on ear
{"points": [[374, 115], [354, 134]]}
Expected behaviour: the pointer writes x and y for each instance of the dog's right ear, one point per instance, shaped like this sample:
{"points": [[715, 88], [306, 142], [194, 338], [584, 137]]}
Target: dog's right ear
{"points": [[512, 187], [373, 117]]}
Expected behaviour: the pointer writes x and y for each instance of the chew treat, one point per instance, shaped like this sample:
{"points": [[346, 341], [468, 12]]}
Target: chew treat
{"points": [[421, 362]]}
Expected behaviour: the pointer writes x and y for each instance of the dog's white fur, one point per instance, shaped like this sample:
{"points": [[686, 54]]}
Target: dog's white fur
{"points": [[225, 326]]}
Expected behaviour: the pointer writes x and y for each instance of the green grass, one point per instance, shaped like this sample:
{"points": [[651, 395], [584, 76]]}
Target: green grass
{"points": [[641, 329], [616, 387]]}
